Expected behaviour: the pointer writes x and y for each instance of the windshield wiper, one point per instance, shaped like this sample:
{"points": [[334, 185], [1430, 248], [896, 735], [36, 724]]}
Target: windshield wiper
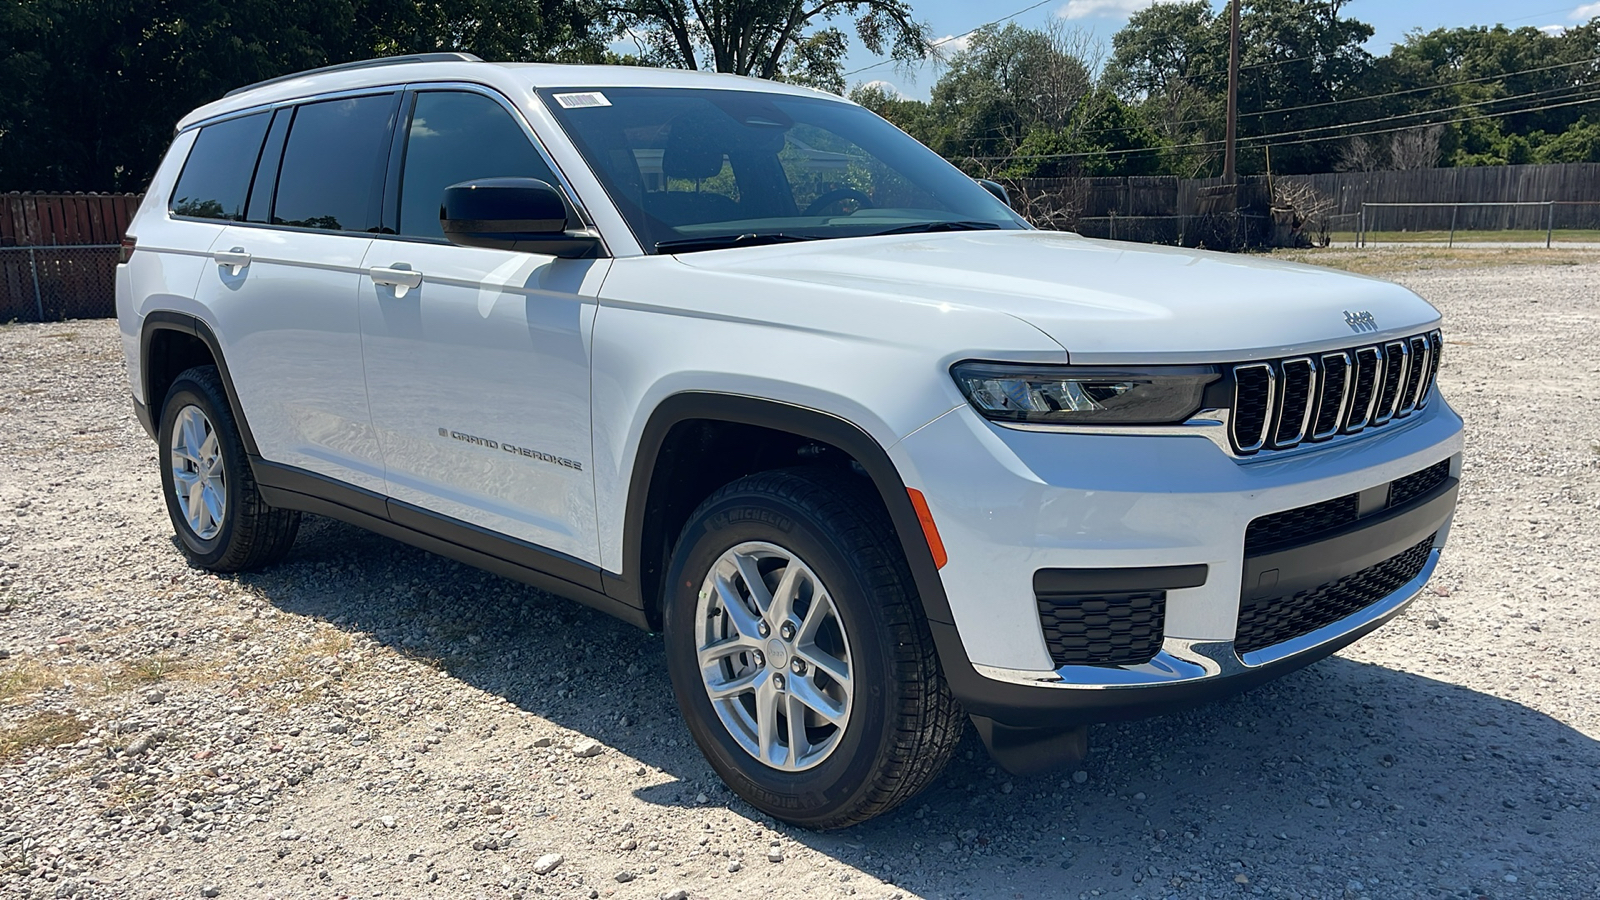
{"points": [[722, 241], [927, 227]]}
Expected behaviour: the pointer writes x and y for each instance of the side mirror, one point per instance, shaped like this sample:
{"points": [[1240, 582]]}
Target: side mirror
{"points": [[997, 189], [523, 214]]}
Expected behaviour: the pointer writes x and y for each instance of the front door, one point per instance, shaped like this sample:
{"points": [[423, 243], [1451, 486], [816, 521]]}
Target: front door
{"points": [[477, 360]]}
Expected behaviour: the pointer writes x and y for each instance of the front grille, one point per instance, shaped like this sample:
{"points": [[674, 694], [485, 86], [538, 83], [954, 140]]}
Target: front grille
{"points": [[1103, 629], [1413, 486], [1283, 403], [1294, 527], [1266, 621]]}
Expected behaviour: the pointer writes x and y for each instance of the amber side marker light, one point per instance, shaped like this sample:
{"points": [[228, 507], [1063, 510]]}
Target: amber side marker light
{"points": [[929, 530]]}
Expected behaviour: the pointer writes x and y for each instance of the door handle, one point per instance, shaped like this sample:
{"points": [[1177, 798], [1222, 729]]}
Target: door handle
{"points": [[399, 276], [234, 260]]}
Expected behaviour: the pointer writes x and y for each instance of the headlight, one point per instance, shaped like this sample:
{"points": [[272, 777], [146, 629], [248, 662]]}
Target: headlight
{"points": [[1078, 395]]}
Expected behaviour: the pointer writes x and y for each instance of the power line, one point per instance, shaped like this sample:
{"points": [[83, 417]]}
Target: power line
{"points": [[956, 37], [1275, 138], [1370, 97]]}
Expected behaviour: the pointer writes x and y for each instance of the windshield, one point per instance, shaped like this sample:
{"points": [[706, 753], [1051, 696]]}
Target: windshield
{"points": [[696, 169]]}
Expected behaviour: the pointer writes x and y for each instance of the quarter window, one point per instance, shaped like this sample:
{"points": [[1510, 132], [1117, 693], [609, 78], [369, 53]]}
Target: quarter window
{"points": [[458, 136], [216, 176], [333, 164]]}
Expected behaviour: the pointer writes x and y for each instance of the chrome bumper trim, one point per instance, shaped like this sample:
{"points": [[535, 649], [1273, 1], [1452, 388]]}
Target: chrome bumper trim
{"points": [[1184, 661]]}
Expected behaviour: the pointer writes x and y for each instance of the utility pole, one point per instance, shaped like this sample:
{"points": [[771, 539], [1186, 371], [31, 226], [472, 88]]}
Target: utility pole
{"points": [[1231, 153]]}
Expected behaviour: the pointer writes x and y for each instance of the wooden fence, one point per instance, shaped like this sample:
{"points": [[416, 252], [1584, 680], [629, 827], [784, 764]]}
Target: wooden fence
{"points": [[58, 254], [51, 220]]}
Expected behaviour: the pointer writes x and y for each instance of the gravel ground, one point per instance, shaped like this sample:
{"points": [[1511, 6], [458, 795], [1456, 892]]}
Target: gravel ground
{"points": [[368, 719]]}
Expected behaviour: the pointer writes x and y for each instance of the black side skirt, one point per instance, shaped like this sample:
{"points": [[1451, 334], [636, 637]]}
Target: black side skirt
{"points": [[287, 487]]}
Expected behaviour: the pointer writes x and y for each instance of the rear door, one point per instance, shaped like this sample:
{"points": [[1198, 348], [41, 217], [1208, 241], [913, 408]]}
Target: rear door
{"points": [[478, 360], [284, 284]]}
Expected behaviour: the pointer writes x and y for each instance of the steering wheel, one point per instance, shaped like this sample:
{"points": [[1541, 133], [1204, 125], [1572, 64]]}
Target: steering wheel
{"points": [[834, 196]]}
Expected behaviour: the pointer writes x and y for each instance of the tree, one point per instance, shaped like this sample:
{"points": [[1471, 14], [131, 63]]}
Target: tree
{"points": [[1415, 148], [1007, 84], [94, 88], [768, 38]]}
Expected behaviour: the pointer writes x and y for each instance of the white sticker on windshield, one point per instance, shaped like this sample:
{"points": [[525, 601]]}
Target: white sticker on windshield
{"points": [[583, 100]]}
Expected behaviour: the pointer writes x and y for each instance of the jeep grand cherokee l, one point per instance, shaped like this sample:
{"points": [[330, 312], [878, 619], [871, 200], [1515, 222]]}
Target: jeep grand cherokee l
{"points": [[741, 363]]}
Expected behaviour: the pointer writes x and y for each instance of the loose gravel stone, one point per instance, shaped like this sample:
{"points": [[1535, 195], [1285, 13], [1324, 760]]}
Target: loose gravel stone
{"points": [[547, 863]]}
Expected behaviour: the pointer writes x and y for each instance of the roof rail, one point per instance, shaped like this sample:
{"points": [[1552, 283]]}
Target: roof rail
{"points": [[363, 64]]}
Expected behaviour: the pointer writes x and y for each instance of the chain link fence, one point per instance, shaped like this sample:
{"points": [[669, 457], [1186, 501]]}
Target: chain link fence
{"points": [[49, 284]]}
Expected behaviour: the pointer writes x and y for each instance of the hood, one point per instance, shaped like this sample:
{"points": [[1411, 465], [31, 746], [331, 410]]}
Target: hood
{"points": [[1105, 302]]}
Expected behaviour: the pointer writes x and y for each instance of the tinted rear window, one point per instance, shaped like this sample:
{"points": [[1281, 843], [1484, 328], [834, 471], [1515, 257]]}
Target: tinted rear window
{"points": [[216, 176], [333, 165]]}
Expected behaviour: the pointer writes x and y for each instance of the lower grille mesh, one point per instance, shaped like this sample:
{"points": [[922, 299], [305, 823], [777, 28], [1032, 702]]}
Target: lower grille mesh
{"points": [[1103, 629], [1266, 621]]}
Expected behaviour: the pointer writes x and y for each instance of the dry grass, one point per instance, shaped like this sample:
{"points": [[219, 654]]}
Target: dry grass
{"points": [[23, 678], [39, 731], [1384, 261]]}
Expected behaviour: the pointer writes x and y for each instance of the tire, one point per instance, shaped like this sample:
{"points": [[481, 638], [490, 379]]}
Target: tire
{"points": [[224, 525], [866, 743]]}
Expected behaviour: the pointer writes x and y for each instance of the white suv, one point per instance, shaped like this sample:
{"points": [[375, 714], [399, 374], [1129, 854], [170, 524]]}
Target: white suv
{"points": [[741, 363]]}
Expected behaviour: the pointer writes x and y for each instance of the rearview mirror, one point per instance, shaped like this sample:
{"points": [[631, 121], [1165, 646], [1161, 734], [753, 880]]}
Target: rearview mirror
{"points": [[523, 214], [995, 188]]}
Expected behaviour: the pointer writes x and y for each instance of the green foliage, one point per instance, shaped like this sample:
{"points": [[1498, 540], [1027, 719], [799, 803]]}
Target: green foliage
{"points": [[94, 88], [769, 38]]}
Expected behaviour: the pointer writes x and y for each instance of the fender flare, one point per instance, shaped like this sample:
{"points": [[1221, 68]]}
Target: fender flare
{"points": [[168, 320], [632, 588]]}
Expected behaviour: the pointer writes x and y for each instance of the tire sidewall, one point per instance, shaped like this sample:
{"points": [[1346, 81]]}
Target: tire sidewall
{"points": [[187, 392], [816, 794]]}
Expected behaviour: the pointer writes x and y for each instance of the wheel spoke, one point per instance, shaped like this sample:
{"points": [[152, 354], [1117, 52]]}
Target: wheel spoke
{"points": [[733, 607], [783, 595], [796, 714], [767, 698], [805, 692], [836, 668], [712, 654], [733, 687], [754, 582], [208, 447], [815, 616], [213, 504]]}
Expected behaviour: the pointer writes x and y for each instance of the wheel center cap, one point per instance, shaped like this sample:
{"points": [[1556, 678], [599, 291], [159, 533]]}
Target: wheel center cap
{"points": [[777, 654]]}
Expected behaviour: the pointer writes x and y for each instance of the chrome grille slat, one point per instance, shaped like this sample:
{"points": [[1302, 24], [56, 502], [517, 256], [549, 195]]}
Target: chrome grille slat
{"points": [[1328, 425], [1397, 358], [1297, 392], [1420, 357], [1285, 403], [1368, 380], [1256, 438]]}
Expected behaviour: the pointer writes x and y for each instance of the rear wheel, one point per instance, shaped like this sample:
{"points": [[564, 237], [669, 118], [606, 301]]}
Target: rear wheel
{"points": [[798, 654], [220, 520]]}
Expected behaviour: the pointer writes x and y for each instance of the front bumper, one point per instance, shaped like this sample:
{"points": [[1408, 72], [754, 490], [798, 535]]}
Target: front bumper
{"points": [[1153, 503]]}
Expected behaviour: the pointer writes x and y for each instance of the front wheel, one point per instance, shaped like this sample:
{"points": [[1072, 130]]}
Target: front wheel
{"points": [[798, 653]]}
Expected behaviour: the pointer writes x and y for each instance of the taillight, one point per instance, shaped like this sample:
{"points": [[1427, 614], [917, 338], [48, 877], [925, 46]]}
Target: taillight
{"points": [[126, 253]]}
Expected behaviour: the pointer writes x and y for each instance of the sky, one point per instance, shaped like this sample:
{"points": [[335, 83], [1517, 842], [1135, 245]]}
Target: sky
{"points": [[1390, 18]]}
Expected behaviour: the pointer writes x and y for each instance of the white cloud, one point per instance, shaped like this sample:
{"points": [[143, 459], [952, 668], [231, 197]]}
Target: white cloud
{"points": [[1553, 30], [950, 45], [887, 88], [1586, 12], [1111, 9]]}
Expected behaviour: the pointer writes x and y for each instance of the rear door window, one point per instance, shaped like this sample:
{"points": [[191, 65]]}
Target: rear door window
{"points": [[332, 173], [216, 176], [457, 136]]}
